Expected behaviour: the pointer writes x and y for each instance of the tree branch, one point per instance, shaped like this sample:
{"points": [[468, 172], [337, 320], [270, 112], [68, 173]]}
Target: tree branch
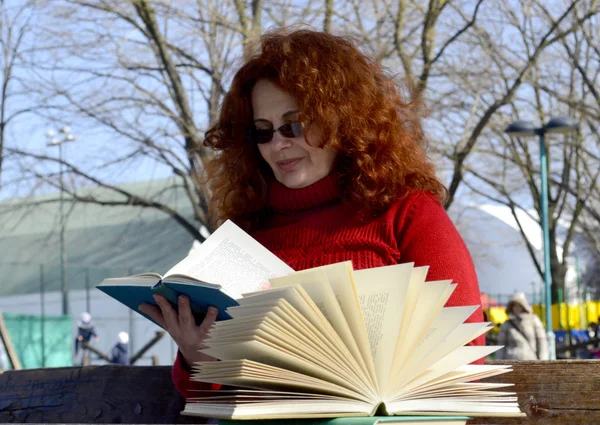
{"points": [[130, 198]]}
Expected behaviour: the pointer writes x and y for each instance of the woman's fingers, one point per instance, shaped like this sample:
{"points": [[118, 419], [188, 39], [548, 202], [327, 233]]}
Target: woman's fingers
{"points": [[170, 316], [193, 354], [181, 325], [155, 313], [186, 317], [209, 320]]}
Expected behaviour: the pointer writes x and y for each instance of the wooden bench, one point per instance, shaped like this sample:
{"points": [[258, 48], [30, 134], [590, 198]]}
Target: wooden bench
{"points": [[557, 392]]}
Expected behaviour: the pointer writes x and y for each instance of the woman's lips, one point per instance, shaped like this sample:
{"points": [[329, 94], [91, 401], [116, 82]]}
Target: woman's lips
{"points": [[288, 164]]}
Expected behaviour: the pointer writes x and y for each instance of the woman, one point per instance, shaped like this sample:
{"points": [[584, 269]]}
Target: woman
{"points": [[523, 334], [322, 161]]}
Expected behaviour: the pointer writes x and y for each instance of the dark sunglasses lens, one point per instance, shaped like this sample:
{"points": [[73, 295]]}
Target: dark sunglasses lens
{"points": [[263, 136], [292, 129]]}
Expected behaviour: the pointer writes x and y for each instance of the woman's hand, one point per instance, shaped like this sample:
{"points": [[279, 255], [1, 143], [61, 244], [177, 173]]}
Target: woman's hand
{"points": [[182, 327]]}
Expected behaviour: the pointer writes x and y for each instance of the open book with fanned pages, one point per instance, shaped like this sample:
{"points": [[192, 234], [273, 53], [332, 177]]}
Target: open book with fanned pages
{"points": [[336, 342]]}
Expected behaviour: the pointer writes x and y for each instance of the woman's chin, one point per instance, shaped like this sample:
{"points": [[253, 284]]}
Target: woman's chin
{"points": [[296, 182], [295, 185]]}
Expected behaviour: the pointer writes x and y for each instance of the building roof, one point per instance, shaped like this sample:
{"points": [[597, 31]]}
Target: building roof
{"points": [[101, 241], [116, 241]]}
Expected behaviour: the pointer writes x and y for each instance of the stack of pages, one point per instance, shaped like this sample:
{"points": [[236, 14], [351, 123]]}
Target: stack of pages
{"points": [[335, 342]]}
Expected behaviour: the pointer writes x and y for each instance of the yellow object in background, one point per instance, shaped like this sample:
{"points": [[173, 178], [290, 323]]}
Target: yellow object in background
{"points": [[572, 316], [592, 307], [497, 315], [569, 317], [583, 317], [538, 310], [559, 317]]}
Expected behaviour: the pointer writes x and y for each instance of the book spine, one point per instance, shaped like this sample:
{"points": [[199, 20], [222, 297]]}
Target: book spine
{"points": [[161, 289], [171, 295]]}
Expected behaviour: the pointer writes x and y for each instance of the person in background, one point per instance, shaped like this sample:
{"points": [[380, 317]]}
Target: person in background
{"points": [[523, 334], [4, 363], [321, 159], [86, 332], [593, 348], [592, 330], [120, 351]]}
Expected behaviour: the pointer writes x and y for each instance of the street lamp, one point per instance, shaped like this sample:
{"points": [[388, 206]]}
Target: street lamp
{"points": [[560, 125], [65, 136]]}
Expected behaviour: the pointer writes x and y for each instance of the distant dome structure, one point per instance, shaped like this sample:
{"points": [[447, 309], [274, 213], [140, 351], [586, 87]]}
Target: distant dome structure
{"points": [[502, 260]]}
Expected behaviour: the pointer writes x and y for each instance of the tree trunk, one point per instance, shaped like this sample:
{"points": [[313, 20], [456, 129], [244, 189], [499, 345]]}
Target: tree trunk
{"points": [[558, 269]]}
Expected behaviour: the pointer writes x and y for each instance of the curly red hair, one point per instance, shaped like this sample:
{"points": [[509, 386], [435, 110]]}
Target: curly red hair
{"points": [[361, 114]]}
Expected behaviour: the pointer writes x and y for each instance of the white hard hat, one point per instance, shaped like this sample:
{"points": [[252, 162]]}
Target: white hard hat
{"points": [[123, 337], [86, 317]]}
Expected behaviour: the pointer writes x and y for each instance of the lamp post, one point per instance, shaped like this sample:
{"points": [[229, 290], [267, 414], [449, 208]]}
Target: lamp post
{"points": [[66, 136], [561, 125]]}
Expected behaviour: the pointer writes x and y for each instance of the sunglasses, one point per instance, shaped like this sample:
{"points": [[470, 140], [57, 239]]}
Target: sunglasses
{"points": [[265, 135]]}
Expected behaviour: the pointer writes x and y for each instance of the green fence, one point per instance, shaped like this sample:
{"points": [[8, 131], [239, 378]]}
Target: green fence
{"points": [[41, 342]]}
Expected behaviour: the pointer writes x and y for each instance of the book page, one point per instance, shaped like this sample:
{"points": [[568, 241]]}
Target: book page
{"points": [[459, 357], [279, 328], [317, 285], [432, 298], [412, 323], [463, 390], [446, 321], [233, 259], [271, 379], [459, 337], [264, 353], [383, 292], [296, 296], [462, 377], [462, 335], [302, 314], [297, 409], [269, 333], [341, 279], [144, 279], [472, 406]]}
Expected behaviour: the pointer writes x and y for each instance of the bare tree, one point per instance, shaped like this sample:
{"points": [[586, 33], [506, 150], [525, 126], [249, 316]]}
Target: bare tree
{"points": [[327, 24], [590, 252], [131, 71], [146, 76], [514, 72], [512, 175], [15, 27], [456, 57], [250, 24]]}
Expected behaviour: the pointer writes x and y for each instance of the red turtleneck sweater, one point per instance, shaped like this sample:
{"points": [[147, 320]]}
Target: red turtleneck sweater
{"points": [[311, 227]]}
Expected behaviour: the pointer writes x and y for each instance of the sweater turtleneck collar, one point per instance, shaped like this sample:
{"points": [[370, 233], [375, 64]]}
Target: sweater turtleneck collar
{"points": [[324, 191]]}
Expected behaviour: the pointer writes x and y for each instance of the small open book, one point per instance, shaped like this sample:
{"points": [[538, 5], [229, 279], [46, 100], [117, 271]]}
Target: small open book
{"points": [[333, 342], [229, 263]]}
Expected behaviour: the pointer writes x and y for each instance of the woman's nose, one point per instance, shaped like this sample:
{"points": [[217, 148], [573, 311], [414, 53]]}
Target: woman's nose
{"points": [[280, 142]]}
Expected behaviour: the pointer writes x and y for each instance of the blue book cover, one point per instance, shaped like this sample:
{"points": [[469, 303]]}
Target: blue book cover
{"points": [[137, 290], [226, 265]]}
